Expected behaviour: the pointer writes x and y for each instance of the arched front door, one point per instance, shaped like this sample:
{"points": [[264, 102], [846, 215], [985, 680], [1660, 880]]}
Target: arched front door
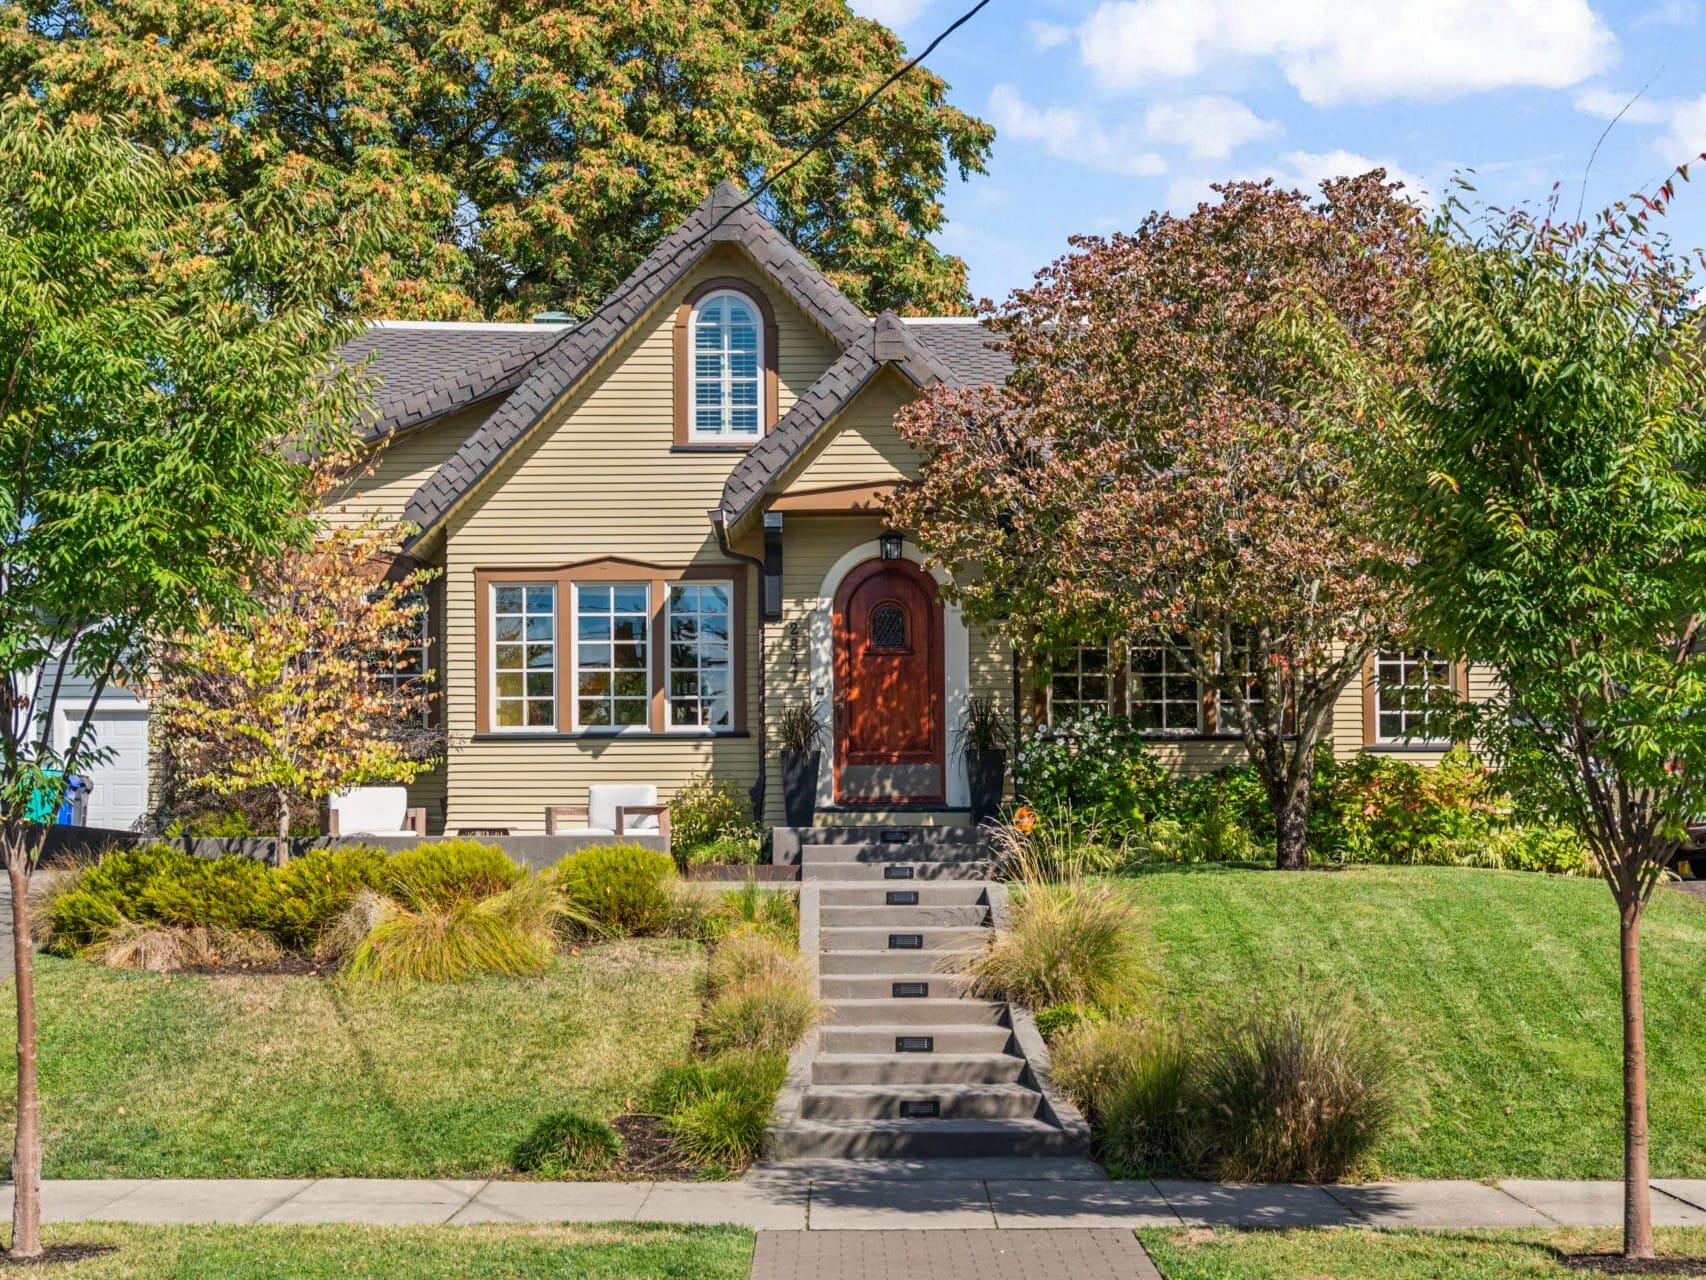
{"points": [[890, 742]]}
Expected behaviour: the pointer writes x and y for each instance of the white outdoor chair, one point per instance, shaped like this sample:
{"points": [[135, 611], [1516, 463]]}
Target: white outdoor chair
{"points": [[374, 811], [630, 809]]}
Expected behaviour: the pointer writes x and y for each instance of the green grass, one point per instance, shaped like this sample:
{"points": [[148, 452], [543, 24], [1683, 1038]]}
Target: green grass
{"points": [[1500, 990], [619, 1252], [1349, 1254], [147, 1076]]}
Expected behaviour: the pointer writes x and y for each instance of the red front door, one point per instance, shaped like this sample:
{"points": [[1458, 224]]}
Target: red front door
{"points": [[889, 739]]}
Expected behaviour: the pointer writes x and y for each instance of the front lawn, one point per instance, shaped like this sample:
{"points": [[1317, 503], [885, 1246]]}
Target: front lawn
{"points": [[145, 1075], [1350, 1254], [619, 1252], [1499, 988]]}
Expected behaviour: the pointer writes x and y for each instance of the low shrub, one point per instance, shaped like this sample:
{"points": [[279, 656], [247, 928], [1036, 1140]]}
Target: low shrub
{"points": [[717, 1111], [748, 958], [766, 1015], [1286, 1094], [1065, 945], [708, 811], [566, 1143], [161, 884], [1058, 1019], [166, 948], [1097, 770], [624, 888], [313, 891], [727, 851], [442, 873], [508, 934]]}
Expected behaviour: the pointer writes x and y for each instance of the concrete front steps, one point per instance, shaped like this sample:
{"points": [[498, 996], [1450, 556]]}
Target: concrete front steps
{"points": [[907, 1065]]}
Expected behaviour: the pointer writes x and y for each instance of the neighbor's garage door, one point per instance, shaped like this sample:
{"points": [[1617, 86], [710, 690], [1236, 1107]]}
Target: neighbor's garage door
{"points": [[119, 794]]}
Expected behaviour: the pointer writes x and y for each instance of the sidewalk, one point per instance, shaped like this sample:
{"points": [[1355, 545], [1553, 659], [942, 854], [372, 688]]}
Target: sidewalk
{"points": [[871, 1196]]}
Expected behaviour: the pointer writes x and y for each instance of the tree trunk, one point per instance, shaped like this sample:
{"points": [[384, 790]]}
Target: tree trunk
{"points": [[1291, 831], [281, 851], [1637, 1194], [26, 1147]]}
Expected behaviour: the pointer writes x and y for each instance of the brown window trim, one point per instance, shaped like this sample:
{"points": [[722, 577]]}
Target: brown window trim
{"points": [[611, 569], [1371, 740], [683, 316]]}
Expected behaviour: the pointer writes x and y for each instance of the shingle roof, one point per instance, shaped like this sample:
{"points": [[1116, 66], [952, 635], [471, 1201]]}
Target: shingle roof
{"points": [[424, 371], [720, 219], [888, 341], [963, 346]]}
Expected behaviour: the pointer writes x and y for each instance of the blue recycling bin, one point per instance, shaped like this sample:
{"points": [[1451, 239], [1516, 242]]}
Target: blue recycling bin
{"points": [[73, 803]]}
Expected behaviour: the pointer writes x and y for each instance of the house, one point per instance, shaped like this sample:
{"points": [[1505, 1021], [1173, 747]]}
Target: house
{"points": [[661, 526]]}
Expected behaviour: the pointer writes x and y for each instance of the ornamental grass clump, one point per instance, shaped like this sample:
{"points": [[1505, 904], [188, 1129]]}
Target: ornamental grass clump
{"points": [[1065, 944], [761, 999], [568, 1143], [441, 873], [1129, 1076], [622, 889], [508, 934], [717, 1111], [166, 948], [1297, 1093]]}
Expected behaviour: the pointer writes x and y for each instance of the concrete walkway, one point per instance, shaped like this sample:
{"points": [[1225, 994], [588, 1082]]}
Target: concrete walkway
{"points": [[967, 1195]]}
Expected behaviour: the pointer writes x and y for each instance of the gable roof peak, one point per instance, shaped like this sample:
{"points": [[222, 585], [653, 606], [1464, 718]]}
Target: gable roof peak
{"points": [[724, 198]]}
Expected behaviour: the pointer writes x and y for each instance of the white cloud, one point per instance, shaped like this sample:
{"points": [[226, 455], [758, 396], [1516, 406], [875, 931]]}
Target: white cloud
{"points": [[1674, 13], [1607, 103], [1209, 127], [891, 13], [1683, 122], [1304, 170], [1352, 50], [1685, 139], [1049, 35], [1069, 134]]}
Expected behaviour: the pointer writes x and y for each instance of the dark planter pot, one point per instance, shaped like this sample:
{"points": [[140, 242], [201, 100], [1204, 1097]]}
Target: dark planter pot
{"points": [[799, 786], [985, 772]]}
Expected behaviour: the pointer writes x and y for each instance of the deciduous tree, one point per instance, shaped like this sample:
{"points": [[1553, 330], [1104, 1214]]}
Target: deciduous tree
{"points": [[537, 150], [1546, 483], [322, 685], [155, 353], [1167, 463]]}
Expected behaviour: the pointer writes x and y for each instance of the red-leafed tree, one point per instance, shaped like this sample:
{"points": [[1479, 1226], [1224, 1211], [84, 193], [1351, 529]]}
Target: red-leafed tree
{"points": [[1169, 463]]}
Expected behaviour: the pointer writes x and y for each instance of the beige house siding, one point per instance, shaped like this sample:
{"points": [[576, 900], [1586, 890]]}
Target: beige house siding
{"points": [[601, 479], [862, 445], [383, 484]]}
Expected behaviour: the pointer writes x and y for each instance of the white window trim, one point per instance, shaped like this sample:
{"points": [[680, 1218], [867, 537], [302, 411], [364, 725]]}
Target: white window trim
{"points": [[669, 669], [694, 434], [1426, 658], [526, 730], [609, 730]]}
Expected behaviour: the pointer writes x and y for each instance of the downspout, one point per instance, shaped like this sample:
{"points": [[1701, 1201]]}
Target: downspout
{"points": [[759, 788]]}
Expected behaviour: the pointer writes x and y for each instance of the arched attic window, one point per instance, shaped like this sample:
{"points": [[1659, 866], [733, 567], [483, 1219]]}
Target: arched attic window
{"points": [[725, 366]]}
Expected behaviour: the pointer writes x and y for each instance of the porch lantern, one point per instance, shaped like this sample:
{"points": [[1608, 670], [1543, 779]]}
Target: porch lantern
{"points": [[889, 544]]}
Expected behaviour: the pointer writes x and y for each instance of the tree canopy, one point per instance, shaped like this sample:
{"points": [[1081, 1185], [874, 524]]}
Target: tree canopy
{"points": [[1168, 465], [536, 151]]}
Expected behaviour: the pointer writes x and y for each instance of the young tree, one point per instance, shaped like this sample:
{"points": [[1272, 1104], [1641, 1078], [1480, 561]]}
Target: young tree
{"points": [[322, 685], [154, 356], [1546, 482], [1167, 463], [538, 151]]}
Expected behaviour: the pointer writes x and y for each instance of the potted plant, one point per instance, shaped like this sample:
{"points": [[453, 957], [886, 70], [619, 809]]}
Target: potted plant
{"points": [[801, 738], [983, 738]]}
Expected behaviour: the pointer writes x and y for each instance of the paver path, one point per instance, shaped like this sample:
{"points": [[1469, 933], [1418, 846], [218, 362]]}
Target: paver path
{"points": [[950, 1255]]}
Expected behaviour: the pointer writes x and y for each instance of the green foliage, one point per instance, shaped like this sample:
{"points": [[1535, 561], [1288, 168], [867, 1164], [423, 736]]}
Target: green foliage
{"points": [[984, 727], [161, 884], [1130, 1078], [441, 873], [717, 1110], [1057, 1019], [1096, 771], [728, 851], [763, 1015], [624, 888], [564, 1143], [509, 934], [315, 889], [749, 958], [1292, 1093], [753, 908], [511, 140], [798, 729], [708, 811], [1065, 944]]}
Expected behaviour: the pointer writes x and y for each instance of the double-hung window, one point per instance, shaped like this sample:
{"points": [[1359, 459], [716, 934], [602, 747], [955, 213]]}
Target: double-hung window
{"points": [[1408, 687], [699, 662], [524, 655], [725, 340], [612, 655], [1165, 696], [1079, 685]]}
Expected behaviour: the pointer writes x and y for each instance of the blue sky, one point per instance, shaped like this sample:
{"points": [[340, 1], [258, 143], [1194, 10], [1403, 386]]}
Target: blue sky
{"points": [[1107, 109]]}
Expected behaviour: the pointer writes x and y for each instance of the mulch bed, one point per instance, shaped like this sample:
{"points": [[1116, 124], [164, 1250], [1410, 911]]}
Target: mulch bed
{"points": [[648, 1153], [1614, 1264], [56, 1253]]}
